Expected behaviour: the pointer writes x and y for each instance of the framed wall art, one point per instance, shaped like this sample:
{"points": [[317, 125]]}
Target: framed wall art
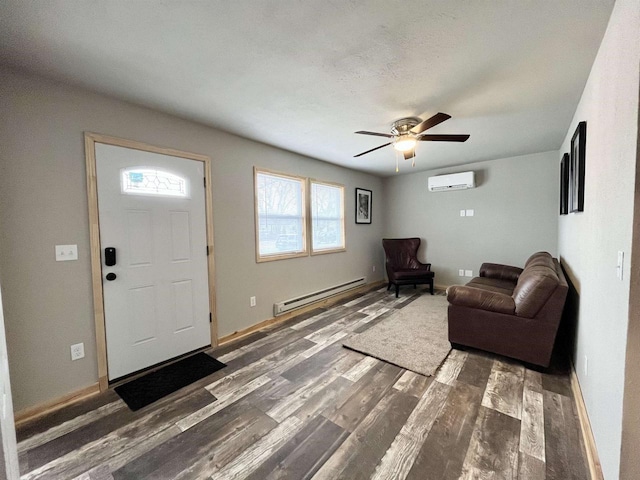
{"points": [[363, 205], [564, 184], [576, 168]]}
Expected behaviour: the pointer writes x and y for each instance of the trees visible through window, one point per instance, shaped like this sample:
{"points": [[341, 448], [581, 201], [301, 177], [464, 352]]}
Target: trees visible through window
{"points": [[327, 217], [280, 215]]}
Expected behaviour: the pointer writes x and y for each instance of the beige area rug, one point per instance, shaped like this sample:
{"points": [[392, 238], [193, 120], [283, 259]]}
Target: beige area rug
{"points": [[415, 338]]}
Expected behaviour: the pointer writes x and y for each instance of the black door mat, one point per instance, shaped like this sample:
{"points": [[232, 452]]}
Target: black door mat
{"points": [[152, 387]]}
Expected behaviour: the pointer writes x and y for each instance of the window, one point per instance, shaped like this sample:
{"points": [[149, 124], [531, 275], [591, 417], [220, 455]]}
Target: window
{"points": [[151, 181], [280, 216], [327, 217]]}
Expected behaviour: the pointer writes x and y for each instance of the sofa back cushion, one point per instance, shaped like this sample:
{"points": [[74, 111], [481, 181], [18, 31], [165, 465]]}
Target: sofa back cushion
{"points": [[539, 258], [535, 285]]}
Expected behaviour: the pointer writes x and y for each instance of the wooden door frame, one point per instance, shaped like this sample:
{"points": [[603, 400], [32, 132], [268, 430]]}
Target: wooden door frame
{"points": [[90, 140]]}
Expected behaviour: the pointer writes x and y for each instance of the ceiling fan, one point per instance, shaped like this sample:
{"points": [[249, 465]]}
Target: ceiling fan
{"points": [[406, 132]]}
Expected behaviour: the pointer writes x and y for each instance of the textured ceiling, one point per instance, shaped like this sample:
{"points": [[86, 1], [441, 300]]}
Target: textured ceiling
{"points": [[304, 75]]}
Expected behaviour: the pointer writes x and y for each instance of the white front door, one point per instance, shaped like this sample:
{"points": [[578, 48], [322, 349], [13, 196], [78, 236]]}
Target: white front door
{"points": [[156, 292]]}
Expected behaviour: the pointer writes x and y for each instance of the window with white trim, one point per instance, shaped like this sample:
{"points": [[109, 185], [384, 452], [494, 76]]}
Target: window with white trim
{"points": [[280, 215], [327, 217]]}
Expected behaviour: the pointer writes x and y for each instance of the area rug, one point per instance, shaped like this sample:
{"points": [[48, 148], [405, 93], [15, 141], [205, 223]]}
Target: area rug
{"points": [[152, 387], [415, 338]]}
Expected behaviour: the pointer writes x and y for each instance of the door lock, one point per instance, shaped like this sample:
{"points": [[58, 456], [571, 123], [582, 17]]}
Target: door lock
{"points": [[110, 256], [111, 276]]}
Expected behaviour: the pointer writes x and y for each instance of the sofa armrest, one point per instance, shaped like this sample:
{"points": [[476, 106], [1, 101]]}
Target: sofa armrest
{"points": [[502, 272], [472, 297]]}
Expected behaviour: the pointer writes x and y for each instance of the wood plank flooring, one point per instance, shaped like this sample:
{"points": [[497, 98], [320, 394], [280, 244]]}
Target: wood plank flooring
{"points": [[294, 404]]}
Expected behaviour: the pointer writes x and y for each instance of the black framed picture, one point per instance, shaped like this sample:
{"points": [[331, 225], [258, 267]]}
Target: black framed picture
{"points": [[564, 184], [576, 168], [363, 205]]}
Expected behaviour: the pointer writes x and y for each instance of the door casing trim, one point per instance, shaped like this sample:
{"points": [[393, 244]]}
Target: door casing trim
{"points": [[90, 139]]}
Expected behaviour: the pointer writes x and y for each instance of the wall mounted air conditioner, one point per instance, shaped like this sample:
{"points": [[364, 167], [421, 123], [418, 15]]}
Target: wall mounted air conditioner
{"points": [[453, 181]]}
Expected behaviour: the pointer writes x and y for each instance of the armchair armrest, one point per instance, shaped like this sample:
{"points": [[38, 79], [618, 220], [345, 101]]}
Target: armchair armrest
{"points": [[472, 297], [502, 272]]}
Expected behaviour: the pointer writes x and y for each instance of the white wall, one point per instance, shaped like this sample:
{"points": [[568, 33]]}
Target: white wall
{"points": [[43, 202], [515, 208], [589, 242]]}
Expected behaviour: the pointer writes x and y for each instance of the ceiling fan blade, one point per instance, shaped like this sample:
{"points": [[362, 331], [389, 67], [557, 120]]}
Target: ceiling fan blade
{"points": [[443, 138], [363, 132], [372, 150], [430, 122], [410, 154]]}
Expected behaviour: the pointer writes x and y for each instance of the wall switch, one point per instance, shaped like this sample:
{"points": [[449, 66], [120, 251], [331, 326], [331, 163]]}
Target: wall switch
{"points": [[586, 366], [470, 212], [468, 273], [77, 351], [374, 268], [463, 213], [66, 252], [252, 301], [461, 273], [620, 265]]}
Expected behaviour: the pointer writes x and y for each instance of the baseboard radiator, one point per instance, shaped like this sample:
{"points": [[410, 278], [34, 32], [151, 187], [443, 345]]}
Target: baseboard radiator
{"points": [[282, 307]]}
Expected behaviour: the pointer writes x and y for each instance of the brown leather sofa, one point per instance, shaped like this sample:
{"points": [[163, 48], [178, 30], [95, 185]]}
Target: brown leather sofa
{"points": [[509, 310]]}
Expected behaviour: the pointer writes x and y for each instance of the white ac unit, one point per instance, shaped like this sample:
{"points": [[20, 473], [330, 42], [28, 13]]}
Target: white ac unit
{"points": [[453, 181]]}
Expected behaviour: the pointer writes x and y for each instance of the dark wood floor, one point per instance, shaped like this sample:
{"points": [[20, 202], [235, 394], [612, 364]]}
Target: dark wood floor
{"points": [[293, 403]]}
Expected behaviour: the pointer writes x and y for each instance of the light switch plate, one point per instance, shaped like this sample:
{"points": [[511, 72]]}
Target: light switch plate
{"points": [[461, 273], [65, 253], [470, 212], [463, 213], [468, 273], [620, 265]]}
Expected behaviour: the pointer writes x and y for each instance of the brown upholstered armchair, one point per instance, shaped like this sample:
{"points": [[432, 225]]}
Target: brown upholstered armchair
{"points": [[403, 267]]}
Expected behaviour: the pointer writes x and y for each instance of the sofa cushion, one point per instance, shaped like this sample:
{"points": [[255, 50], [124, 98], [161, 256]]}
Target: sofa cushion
{"points": [[493, 284], [538, 258], [466, 296], [534, 287]]}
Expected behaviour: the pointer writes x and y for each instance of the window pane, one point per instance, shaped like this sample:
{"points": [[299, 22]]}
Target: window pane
{"points": [[280, 202], [327, 213], [151, 181]]}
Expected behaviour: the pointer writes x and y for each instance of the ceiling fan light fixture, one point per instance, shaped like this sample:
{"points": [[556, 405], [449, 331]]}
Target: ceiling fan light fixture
{"points": [[404, 143]]}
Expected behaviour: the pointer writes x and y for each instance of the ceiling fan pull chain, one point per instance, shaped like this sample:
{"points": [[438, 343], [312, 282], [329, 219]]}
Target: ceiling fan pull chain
{"points": [[397, 154], [413, 162]]}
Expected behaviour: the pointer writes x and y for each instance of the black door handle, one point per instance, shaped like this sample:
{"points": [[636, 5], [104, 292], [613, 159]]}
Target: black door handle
{"points": [[110, 256], [111, 276]]}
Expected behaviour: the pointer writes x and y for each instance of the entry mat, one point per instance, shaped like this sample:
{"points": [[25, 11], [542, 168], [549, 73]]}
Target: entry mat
{"points": [[145, 390]]}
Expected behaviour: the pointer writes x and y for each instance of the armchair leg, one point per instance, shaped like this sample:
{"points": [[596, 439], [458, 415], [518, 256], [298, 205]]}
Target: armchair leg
{"points": [[431, 286], [397, 289], [389, 287]]}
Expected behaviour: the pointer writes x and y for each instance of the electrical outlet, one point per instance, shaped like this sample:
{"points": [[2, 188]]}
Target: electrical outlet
{"points": [[468, 273], [77, 351], [252, 301], [461, 273], [463, 213]]}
